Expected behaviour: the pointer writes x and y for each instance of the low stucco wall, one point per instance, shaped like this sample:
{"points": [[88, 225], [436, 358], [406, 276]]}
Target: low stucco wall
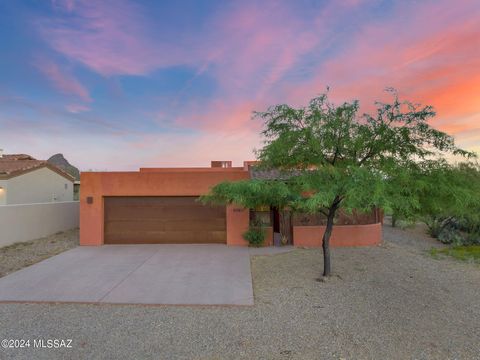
{"points": [[342, 235], [32, 221]]}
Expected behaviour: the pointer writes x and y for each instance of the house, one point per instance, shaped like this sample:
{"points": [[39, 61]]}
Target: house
{"points": [[26, 180], [159, 205]]}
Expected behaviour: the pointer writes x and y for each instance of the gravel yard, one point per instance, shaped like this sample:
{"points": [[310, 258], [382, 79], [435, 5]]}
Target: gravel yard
{"points": [[19, 255], [388, 302]]}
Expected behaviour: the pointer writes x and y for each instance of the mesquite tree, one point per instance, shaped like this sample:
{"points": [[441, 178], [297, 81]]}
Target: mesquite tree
{"points": [[342, 159]]}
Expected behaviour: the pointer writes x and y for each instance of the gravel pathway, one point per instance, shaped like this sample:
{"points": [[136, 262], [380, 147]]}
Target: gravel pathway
{"points": [[387, 302], [412, 237], [19, 255]]}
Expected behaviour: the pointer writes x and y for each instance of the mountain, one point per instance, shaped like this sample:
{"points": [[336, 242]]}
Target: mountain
{"points": [[59, 161]]}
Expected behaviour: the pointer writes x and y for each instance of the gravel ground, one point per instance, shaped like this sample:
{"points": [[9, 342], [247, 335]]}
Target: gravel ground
{"points": [[388, 302], [414, 236], [19, 255]]}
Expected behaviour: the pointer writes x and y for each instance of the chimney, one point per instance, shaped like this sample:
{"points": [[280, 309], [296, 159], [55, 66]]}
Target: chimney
{"points": [[221, 164], [1, 153]]}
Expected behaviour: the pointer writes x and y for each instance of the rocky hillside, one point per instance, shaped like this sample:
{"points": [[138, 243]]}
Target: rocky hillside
{"points": [[59, 161]]}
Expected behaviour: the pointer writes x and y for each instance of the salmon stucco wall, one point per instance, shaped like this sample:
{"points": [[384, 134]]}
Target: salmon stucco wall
{"points": [[238, 220], [237, 223], [96, 185], [342, 235]]}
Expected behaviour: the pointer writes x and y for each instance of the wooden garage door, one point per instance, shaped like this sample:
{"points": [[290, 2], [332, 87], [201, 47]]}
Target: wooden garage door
{"points": [[162, 220]]}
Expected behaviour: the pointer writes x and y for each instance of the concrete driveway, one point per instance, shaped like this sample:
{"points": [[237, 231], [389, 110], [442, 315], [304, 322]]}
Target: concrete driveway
{"points": [[137, 274]]}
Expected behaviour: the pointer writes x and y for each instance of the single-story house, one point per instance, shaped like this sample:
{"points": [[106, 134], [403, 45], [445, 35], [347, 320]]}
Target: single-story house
{"points": [[26, 180], [159, 205]]}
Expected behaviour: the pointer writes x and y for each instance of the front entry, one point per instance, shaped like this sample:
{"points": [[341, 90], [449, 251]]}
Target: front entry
{"points": [[282, 227]]}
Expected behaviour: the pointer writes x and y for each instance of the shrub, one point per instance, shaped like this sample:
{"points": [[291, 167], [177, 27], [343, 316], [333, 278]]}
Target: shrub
{"points": [[255, 236], [455, 231], [434, 227], [450, 235], [472, 238]]}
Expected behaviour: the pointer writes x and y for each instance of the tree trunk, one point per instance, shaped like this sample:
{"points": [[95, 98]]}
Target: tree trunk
{"points": [[326, 237], [394, 220]]}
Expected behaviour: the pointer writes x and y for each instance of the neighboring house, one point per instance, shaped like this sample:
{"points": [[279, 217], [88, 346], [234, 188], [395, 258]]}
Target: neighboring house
{"points": [[60, 162], [26, 180], [159, 205]]}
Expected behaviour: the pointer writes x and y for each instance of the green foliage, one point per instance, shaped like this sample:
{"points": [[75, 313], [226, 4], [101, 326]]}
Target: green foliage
{"points": [[355, 159], [452, 236], [448, 200], [435, 226], [255, 235], [472, 238], [452, 191], [324, 134], [251, 193], [325, 184]]}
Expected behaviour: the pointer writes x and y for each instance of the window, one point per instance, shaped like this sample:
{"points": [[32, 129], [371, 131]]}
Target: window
{"points": [[66, 186], [262, 215]]}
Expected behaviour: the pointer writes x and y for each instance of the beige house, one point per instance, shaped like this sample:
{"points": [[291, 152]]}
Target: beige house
{"points": [[25, 180]]}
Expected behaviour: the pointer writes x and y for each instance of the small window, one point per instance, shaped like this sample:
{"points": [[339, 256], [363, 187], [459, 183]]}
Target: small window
{"points": [[262, 215], [66, 186]]}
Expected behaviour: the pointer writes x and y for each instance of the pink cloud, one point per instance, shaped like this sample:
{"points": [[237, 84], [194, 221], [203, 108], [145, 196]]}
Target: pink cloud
{"points": [[62, 79], [431, 55], [251, 51], [221, 116], [257, 48], [109, 37], [76, 108]]}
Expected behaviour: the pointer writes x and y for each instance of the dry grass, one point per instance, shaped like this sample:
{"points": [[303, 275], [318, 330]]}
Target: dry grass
{"points": [[463, 253]]}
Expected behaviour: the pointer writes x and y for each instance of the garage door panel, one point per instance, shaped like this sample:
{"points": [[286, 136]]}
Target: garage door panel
{"points": [[125, 214], [170, 237], [181, 220], [165, 225], [197, 211]]}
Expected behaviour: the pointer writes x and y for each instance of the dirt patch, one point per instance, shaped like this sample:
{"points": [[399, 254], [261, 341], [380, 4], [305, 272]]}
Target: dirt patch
{"points": [[19, 255]]}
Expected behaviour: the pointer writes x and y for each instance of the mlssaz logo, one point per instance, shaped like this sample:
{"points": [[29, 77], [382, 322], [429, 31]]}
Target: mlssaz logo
{"points": [[52, 343]]}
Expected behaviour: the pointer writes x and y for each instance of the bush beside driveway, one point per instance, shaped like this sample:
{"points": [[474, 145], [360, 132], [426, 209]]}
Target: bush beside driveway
{"points": [[389, 302]]}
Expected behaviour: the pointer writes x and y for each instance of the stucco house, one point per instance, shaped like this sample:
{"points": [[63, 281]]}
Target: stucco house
{"points": [[26, 180], [158, 205]]}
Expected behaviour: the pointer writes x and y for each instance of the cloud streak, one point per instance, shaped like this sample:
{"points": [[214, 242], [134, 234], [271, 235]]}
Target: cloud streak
{"points": [[62, 79], [109, 37]]}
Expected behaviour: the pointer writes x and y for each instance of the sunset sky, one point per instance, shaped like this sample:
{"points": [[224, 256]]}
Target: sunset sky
{"points": [[115, 85]]}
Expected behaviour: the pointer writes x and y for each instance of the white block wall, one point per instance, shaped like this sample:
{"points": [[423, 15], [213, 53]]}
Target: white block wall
{"points": [[32, 221]]}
